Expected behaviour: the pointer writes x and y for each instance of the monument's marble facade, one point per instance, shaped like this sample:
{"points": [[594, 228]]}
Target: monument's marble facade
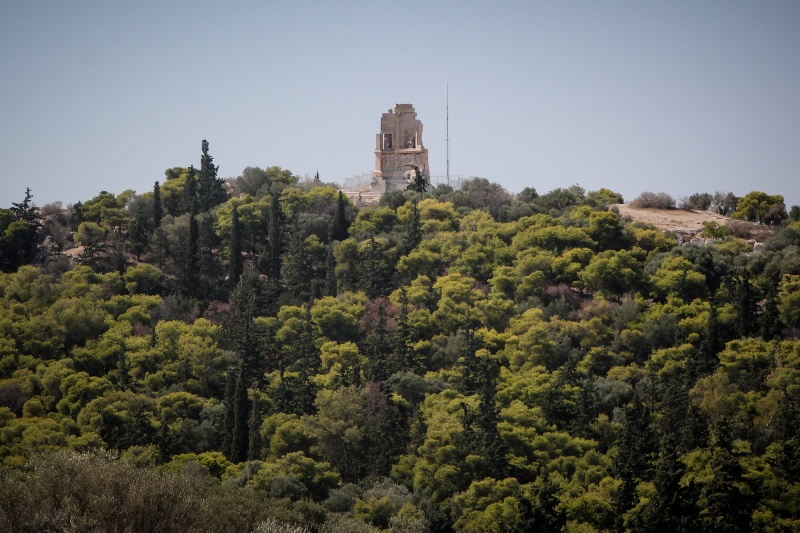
{"points": [[398, 149]]}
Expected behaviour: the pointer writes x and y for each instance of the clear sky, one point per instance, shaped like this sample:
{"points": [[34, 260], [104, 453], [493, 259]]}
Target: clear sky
{"points": [[674, 96]]}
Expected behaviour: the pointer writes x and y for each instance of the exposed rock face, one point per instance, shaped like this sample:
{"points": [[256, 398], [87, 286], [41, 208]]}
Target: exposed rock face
{"points": [[398, 149]]}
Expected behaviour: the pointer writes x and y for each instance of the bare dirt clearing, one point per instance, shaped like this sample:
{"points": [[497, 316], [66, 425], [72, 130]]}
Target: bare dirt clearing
{"points": [[675, 220]]}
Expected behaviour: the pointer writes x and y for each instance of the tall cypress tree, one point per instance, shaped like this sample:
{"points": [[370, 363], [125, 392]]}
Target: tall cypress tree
{"points": [[745, 301], [672, 507], [330, 273], [254, 435], [403, 357], [241, 335], [706, 359], [189, 195], [634, 460], [123, 369], [298, 271], [240, 439], [138, 233], [236, 264], [489, 444], [726, 506], [211, 190], [418, 183], [770, 320], [413, 229], [194, 237], [306, 363], [275, 249], [340, 224], [208, 266], [377, 349], [228, 421], [481, 436], [77, 214], [374, 272], [158, 210]]}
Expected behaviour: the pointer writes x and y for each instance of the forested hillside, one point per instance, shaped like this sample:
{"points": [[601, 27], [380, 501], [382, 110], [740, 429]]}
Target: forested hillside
{"points": [[262, 355]]}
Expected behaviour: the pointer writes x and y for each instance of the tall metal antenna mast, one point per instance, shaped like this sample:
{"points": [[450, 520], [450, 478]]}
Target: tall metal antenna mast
{"points": [[447, 100]]}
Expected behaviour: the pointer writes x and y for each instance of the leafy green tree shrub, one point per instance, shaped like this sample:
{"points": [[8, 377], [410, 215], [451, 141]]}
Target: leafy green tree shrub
{"points": [[757, 206], [612, 273], [698, 201], [789, 298], [317, 478], [712, 230]]}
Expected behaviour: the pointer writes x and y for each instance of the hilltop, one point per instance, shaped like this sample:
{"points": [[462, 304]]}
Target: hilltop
{"points": [[674, 220]]}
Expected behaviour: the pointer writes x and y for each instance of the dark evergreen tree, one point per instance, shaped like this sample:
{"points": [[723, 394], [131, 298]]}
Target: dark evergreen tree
{"points": [[236, 263], [209, 268], [413, 229], [240, 438], [727, 496], [559, 403], [123, 370], [187, 260], [159, 248], [298, 269], [489, 444], [634, 460], [210, 189], [254, 427], [376, 347], [787, 434], [538, 508], [158, 210], [706, 360], [19, 231], [386, 432], [229, 419], [305, 363], [27, 212], [673, 507], [374, 273], [242, 337], [167, 443], [118, 257], [330, 273], [138, 238], [770, 326], [478, 375], [276, 222], [77, 214], [189, 195], [418, 183], [469, 365], [340, 224], [745, 301], [241, 334], [403, 357]]}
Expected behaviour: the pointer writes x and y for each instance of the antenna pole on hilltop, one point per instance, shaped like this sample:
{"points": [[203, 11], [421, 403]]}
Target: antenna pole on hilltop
{"points": [[447, 104]]}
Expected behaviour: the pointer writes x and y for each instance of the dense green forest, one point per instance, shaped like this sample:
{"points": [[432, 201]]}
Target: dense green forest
{"points": [[260, 354]]}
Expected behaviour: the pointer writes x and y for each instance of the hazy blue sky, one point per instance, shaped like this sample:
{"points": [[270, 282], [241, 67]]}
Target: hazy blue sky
{"points": [[670, 96]]}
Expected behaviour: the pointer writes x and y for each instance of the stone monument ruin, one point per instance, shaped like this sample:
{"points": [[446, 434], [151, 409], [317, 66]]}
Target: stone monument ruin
{"points": [[398, 149]]}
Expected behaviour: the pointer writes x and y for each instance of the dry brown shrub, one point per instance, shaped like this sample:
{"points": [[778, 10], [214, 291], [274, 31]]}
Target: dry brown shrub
{"points": [[653, 200], [741, 230]]}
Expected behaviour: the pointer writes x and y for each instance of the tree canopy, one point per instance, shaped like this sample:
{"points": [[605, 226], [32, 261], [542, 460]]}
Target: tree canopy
{"points": [[262, 353]]}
